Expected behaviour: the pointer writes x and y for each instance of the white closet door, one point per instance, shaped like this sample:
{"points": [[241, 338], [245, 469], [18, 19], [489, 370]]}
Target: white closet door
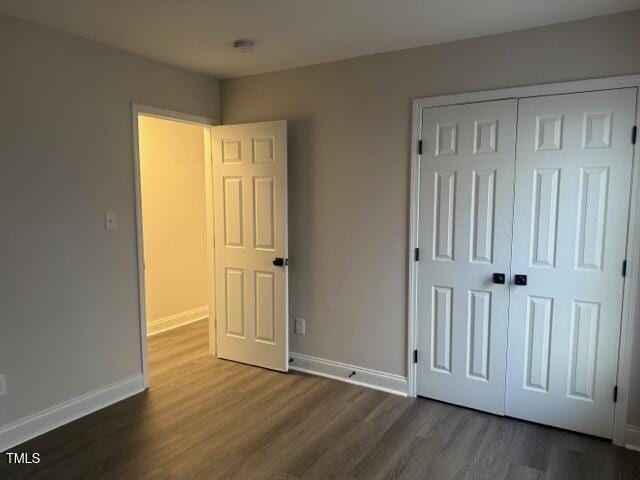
{"points": [[573, 173], [250, 205], [466, 206]]}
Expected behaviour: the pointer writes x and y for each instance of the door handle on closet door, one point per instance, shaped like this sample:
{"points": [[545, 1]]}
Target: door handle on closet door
{"points": [[499, 278], [520, 279]]}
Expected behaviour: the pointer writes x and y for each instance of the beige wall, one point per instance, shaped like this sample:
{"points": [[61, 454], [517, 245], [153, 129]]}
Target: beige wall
{"points": [[349, 136], [174, 217], [69, 289]]}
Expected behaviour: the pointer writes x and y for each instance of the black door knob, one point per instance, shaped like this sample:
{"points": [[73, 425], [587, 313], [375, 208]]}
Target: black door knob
{"points": [[499, 278], [279, 262], [520, 279]]}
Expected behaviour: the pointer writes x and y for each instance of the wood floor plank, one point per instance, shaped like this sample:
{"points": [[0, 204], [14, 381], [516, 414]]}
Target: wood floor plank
{"points": [[425, 419], [565, 464], [493, 460], [204, 418], [520, 472]]}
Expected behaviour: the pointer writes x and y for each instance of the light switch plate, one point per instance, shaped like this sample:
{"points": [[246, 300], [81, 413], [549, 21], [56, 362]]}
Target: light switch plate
{"points": [[300, 326], [110, 221], [3, 386]]}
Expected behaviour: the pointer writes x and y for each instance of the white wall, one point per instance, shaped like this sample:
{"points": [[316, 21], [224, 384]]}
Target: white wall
{"points": [[68, 290], [349, 139]]}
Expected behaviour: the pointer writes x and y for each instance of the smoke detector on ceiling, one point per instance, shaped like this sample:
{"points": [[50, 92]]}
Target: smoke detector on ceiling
{"points": [[244, 45]]}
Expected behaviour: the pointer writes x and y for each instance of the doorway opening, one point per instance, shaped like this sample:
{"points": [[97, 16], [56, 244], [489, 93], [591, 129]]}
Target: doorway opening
{"points": [[235, 176], [175, 222]]}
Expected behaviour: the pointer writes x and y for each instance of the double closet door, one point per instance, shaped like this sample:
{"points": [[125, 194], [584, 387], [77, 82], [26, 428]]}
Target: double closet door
{"points": [[522, 233]]}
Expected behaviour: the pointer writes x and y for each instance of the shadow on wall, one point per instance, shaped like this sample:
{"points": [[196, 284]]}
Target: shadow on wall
{"points": [[302, 252]]}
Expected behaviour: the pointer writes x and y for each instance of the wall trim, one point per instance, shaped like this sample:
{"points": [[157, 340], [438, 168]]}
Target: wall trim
{"points": [[632, 438], [365, 377], [211, 264], [53, 417], [544, 89], [177, 320], [632, 281]]}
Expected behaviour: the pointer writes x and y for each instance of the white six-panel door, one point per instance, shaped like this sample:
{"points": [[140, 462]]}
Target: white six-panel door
{"points": [[249, 173], [573, 173], [466, 202]]}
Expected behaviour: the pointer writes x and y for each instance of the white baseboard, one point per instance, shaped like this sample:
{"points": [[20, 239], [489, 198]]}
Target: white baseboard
{"points": [[178, 320], [34, 425], [365, 377], [632, 438]]}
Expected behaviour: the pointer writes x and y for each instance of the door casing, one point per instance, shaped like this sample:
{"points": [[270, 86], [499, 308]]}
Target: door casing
{"points": [[632, 279]]}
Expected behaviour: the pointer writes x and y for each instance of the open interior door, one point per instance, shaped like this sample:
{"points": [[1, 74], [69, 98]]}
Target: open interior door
{"points": [[250, 209]]}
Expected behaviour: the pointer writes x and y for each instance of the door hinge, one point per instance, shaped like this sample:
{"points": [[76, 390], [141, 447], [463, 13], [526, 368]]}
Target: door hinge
{"points": [[634, 135], [415, 356], [615, 393], [416, 254], [624, 268], [419, 147]]}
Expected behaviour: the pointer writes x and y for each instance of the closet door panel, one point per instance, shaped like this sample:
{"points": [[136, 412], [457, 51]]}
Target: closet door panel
{"points": [[572, 187], [466, 202]]}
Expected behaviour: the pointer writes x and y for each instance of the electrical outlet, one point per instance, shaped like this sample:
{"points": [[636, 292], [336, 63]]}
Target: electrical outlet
{"points": [[300, 327], [3, 386]]}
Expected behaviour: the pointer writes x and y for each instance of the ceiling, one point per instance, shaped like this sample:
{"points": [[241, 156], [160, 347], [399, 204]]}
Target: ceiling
{"points": [[198, 34]]}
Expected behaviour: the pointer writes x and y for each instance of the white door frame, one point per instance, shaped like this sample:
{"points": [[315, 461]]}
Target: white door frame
{"points": [[138, 110], [632, 280]]}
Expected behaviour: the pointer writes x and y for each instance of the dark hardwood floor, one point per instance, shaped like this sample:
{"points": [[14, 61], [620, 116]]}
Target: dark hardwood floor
{"points": [[204, 418]]}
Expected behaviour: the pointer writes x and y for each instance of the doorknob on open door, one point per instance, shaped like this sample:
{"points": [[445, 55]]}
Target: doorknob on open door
{"points": [[520, 279], [280, 262]]}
